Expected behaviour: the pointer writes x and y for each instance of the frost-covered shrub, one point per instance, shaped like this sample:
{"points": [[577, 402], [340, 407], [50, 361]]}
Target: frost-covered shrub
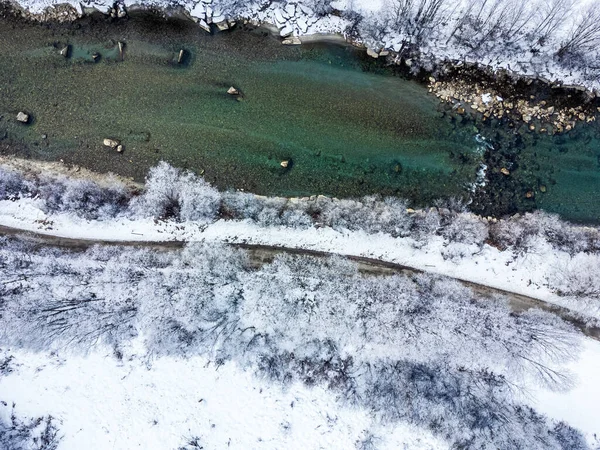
{"points": [[11, 184], [171, 193], [465, 228], [241, 205], [38, 433], [82, 197], [265, 211], [371, 214], [425, 223], [525, 233], [579, 277]]}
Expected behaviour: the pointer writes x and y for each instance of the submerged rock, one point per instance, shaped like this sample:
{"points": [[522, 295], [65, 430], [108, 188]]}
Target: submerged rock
{"points": [[23, 117], [233, 91]]}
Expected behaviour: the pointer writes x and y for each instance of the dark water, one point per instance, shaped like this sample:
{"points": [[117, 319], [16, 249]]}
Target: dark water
{"points": [[347, 126]]}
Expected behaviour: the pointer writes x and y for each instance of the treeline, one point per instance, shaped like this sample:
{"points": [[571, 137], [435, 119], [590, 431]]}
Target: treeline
{"points": [[421, 349], [173, 194]]}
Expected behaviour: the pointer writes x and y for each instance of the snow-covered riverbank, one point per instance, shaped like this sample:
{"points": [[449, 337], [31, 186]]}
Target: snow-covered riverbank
{"points": [[527, 38]]}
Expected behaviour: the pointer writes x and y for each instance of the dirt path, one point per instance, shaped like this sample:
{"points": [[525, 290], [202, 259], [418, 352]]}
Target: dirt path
{"points": [[263, 254]]}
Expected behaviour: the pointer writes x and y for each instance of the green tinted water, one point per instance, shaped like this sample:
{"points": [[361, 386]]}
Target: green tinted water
{"points": [[347, 127]]}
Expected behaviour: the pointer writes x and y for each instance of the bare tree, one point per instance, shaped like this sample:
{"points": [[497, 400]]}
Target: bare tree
{"points": [[416, 18], [585, 32], [550, 16]]}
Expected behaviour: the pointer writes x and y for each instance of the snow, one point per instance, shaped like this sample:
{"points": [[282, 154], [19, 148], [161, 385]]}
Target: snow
{"points": [[579, 406], [104, 403]]}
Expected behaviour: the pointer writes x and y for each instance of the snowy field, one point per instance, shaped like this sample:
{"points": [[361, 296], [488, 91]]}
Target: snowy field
{"points": [[553, 39], [163, 403]]}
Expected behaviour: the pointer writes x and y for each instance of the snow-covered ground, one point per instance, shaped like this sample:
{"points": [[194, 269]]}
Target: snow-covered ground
{"points": [[377, 31], [527, 274], [102, 403], [579, 406]]}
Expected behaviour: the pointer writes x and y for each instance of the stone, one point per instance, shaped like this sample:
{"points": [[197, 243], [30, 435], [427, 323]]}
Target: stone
{"points": [[292, 40], [222, 25], [543, 188], [202, 23], [284, 164], [65, 51], [95, 56], [23, 117], [529, 194], [180, 56], [120, 148], [505, 171], [112, 143], [233, 91], [121, 48], [372, 53]]}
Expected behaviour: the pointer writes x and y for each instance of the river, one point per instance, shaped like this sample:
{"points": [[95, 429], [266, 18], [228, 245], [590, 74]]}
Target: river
{"points": [[343, 124]]}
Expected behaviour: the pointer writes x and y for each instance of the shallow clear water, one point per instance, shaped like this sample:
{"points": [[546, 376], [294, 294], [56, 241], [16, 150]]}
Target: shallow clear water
{"points": [[347, 126]]}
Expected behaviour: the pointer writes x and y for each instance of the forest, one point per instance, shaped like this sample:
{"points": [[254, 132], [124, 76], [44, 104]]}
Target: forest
{"points": [[421, 349]]}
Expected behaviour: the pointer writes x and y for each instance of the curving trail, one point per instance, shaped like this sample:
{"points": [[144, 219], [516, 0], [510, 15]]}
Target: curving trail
{"points": [[263, 254]]}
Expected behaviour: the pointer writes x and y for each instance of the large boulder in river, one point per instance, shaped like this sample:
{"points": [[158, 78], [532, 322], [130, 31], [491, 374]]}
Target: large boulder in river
{"points": [[23, 117], [112, 143]]}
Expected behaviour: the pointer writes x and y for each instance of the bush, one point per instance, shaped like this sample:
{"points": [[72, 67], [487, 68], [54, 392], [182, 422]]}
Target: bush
{"points": [[38, 433], [11, 184], [171, 193], [83, 197]]}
